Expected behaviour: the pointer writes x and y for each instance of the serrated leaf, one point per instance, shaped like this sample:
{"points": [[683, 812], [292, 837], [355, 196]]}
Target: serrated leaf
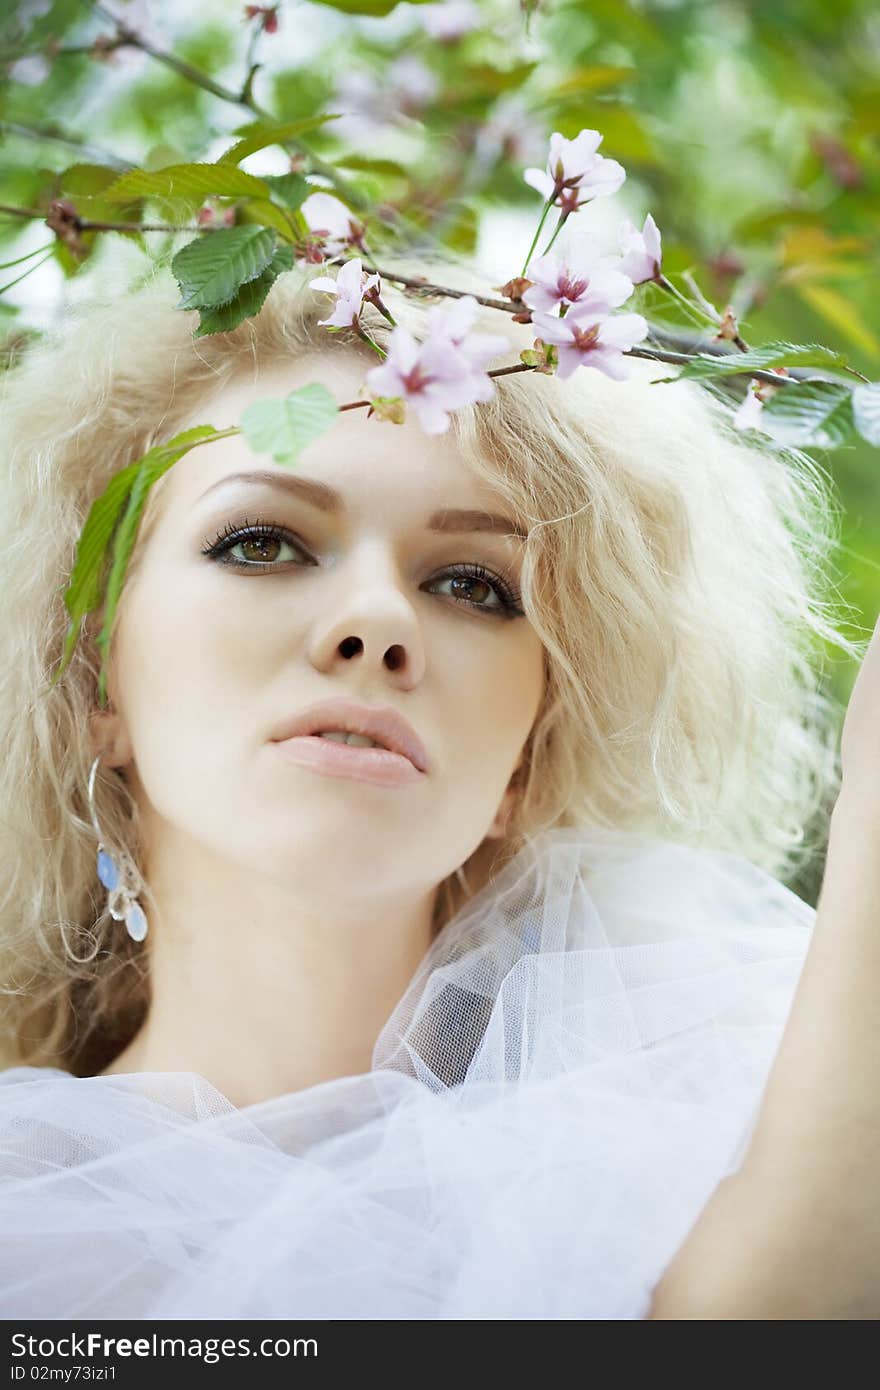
{"points": [[811, 412], [257, 135], [212, 269], [283, 428], [83, 590], [189, 181], [866, 411], [705, 365], [222, 318]]}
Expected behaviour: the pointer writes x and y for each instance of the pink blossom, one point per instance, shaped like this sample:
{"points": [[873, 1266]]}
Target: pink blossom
{"points": [[369, 105], [135, 17], [575, 173], [330, 218], [30, 71], [350, 286], [640, 250], [442, 373], [450, 20], [452, 323], [509, 133], [587, 338], [583, 277], [747, 416], [31, 10]]}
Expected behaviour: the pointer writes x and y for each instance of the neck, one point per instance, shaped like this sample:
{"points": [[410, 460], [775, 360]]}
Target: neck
{"points": [[262, 991]]}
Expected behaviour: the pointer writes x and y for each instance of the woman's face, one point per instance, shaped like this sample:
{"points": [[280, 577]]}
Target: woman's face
{"points": [[210, 654]]}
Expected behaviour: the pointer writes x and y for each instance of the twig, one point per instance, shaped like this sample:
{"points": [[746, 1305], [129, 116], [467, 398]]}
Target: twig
{"points": [[423, 286], [682, 358], [77, 143], [244, 98]]}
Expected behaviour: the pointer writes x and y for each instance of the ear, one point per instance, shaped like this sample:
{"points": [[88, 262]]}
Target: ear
{"points": [[109, 738]]}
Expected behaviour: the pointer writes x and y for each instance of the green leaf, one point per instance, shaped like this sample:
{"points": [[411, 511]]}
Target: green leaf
{"points": [[150, 468], [842, 313], [264, 213], [212, 269], [770, 355], [462, 233], [370, 7], [866, 411], [596, 78], [86, 180], [283, 428], [291, 190], [258, 134], [810, 412], [189, 181], [83, 590], [387, 168], [222, 318], [86, 186]]}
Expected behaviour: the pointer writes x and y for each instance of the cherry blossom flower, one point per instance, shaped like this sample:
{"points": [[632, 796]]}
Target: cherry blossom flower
{"points": [[134, 17], [509, 134], [442, 373], [748, 414], [640, 250], [575, 173], [209, 215], [411, 84], [329, 218], [30, 10], [30, 71], [266, 15], [450, 20], [453, 322], [584, 277], [350, 287], [586, 338], [368, 105]]}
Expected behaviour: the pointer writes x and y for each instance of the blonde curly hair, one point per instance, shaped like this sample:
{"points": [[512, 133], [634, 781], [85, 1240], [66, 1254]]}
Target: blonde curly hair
{"points": [[677, 576]]}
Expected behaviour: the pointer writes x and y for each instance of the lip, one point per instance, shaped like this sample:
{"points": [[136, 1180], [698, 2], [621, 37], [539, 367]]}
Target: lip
{"points": [[380, 722], [377, 766]]}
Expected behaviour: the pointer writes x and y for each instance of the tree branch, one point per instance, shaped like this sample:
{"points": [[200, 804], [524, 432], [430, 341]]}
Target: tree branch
{"points": [[59, 138]]}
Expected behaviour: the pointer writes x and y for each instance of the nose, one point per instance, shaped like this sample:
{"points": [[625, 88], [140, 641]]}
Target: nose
{"points": [[372, 618]]}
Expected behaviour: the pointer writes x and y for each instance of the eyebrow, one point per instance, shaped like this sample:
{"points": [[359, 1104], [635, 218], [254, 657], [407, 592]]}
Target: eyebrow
{"points": [[326, 498]]}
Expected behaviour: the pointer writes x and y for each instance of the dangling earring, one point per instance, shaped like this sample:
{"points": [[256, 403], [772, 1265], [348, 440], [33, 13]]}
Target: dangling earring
{"points": [[121, 879]]}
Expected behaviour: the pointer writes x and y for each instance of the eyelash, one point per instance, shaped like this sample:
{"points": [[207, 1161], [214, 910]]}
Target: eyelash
{"points": [[231, 535]]}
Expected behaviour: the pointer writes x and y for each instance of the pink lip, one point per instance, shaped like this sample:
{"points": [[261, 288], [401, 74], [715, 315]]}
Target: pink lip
{"points": [[384, 724], [378, 766]]}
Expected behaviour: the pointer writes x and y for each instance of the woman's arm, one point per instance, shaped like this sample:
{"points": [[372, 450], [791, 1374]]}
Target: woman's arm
{"points": [[795, 1233]]}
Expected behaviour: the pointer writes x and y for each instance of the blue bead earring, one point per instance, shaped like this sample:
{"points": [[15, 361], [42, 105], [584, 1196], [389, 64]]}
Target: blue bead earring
{"points": [[119, 876]]}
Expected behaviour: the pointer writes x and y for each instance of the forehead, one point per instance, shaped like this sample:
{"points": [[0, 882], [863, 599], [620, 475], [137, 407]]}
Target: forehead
{"points": [[371, 463]]}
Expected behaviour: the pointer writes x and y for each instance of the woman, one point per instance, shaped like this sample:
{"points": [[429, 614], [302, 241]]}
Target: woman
{"points": [[485, 1036]]}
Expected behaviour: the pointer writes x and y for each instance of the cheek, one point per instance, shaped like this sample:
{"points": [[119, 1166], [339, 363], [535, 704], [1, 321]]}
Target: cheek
{"points": [[494, 692], [182, 629]]}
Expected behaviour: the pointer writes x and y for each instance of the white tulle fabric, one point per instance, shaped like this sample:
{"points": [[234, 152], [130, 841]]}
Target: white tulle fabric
{"points": [[572, 1070]]}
